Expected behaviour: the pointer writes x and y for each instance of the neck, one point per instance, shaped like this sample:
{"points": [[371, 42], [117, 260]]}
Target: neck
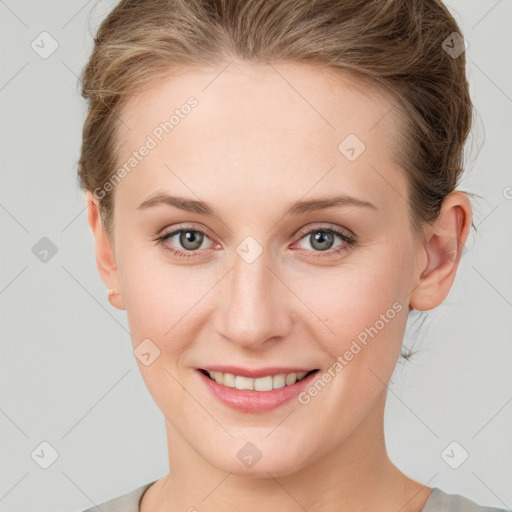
{"points": [[356, 475]]}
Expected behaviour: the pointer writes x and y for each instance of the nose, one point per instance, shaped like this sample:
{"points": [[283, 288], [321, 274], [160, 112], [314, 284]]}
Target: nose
{"points": [[254, 305]]}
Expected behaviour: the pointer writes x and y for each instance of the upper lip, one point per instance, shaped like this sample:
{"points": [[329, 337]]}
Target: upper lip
{"points": [[256, 372]]}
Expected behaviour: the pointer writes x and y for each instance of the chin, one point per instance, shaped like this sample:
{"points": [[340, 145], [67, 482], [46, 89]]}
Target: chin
{"points": [[246, 460]]}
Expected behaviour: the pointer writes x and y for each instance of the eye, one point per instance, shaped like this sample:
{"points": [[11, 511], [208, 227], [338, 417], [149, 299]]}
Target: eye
{"points": [[189, 238], [322, 239], [192, 240]]}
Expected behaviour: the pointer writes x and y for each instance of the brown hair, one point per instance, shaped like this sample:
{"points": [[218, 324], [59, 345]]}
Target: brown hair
{"points": [[399, 45]]}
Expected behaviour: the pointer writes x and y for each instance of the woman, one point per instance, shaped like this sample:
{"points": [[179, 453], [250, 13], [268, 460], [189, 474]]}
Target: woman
{"points": [[271, 187]]}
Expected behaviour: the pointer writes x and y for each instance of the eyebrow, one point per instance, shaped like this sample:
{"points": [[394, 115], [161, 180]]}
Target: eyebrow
{"points": [[297, 208]]}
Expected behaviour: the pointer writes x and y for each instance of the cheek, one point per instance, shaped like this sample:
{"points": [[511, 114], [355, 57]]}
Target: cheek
{"points": [[150, 302], [363, 300], [163, 300], [365, 306], [159, 301]]}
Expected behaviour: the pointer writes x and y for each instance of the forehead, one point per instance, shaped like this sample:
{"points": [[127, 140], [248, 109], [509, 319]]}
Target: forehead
{"points": [[272, 94], [263, 126]]}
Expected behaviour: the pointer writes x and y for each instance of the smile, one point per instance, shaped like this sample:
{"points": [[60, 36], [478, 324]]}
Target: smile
{"points": [[266, 383], [256, 391]]}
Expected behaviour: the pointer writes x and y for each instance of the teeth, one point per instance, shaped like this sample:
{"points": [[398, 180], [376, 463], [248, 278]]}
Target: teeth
{"points": [[263, 384], [229, 380], [242, 382], [260, 384], [291, 378], [278, 381]]}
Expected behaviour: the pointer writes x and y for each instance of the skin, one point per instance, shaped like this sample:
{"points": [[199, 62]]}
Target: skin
{"points": [[252, 146]]}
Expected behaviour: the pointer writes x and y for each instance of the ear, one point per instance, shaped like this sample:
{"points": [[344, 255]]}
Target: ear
{"points": [[442, 250], [105, 256]]}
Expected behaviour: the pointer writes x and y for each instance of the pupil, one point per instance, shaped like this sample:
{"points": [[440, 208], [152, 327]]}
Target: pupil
{"points": [[191, 239], [324, 239]]}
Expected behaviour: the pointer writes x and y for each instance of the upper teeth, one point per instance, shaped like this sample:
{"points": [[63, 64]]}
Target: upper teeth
{"points": [[261, 384]]}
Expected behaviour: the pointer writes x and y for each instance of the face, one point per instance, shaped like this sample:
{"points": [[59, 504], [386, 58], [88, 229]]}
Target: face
{"points": [[251, 283]]}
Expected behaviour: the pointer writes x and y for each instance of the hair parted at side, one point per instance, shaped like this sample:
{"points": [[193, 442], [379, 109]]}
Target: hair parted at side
{"points": [[393, 44]]}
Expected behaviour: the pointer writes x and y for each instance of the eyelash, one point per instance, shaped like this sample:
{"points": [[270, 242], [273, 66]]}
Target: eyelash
{"points": [[348, 240]]}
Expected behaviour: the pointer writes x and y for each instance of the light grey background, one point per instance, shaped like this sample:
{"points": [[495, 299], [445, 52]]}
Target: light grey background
{"points": [[68, 375]]}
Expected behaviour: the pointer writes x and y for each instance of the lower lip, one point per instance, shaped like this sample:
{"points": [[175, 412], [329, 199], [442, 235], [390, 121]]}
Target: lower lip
{"points": [[246, 400]]}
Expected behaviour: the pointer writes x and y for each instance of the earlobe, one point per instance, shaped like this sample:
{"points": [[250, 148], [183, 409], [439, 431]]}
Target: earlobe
{"points": [[443, 250], [105, 256]]}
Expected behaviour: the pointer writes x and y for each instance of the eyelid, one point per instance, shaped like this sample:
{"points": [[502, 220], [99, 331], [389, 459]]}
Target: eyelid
{"points": [[325, 227], [345, 235], [190, 227]]}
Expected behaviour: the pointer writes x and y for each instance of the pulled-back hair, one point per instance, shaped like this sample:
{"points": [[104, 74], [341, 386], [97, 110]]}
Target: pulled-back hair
{"points": [[402, 46]]}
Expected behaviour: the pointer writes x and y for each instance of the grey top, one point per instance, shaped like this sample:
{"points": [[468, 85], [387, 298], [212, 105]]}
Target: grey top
{"points": [[438, 501]]}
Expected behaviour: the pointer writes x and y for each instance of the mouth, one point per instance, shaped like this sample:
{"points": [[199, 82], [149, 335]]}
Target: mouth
{"points": [[256, 391], [267, 382]]}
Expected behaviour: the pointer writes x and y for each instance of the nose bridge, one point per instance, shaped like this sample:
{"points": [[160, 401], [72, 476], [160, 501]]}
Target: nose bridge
{"points": [[253, 308]]}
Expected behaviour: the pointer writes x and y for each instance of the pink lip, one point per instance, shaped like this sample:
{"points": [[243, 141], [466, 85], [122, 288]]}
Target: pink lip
{"points": [[256, 372], [256, 401]]}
